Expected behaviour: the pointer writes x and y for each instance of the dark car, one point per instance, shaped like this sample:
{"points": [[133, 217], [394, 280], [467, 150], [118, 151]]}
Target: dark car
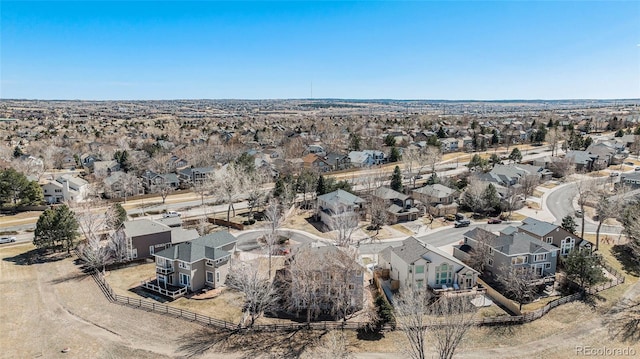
{"points": [[462, 223], [494, 221]]}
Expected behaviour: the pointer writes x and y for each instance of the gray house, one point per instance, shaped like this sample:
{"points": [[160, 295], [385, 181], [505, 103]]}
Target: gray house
{"points": [[193, 265], [439, 199], [145, 237], [400, 207], [553, 234], [510, 251]]}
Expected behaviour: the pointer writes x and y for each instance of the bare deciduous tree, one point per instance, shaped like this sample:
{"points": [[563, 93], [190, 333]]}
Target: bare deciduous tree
{"points": [[481, 253], [95, 254], [259, 294], [379, 215], [455, 315], [562, 167], [118, 246], [517, 283], [332, 346], [273, 213], [529, 182], [585, 190], [344, 225], [411, 309]]}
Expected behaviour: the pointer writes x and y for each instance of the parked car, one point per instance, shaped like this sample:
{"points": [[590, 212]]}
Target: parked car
{"points": [[462, 223], [614, 174], [459, 216], [579, 213], [7, 239], [637, 169], [494, 221], [450, 217], [170, 214]]}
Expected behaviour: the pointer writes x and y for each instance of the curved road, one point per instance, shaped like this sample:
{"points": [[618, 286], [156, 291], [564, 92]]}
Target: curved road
{"points": [[560, 204]]}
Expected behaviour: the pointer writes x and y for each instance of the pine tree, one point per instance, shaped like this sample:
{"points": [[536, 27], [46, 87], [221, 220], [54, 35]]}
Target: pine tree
{"points": [[320, 188], [569, 223], [394, 155], [396, 180]]}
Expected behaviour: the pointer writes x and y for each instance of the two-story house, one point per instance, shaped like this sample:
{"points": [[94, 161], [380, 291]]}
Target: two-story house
{"points": [[338, 161], [510, 251], [553, 234], [439, 199], [151, 179], [195, 175], [316, 163], [423, 265], [145, 237], [65, 188], [339, 203], [193, 265], [399, 206], [323, 277], [366, 158]]}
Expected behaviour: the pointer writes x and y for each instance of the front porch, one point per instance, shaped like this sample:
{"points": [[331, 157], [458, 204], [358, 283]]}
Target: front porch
{"points": [[165, 289]]}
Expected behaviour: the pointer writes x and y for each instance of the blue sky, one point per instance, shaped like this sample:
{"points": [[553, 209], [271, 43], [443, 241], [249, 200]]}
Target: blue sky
{"points": [[256, 50]]}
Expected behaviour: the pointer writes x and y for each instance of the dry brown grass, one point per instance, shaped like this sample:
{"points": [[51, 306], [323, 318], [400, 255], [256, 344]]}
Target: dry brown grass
{"points": [[537, 193], [533, 306], [549, 185], [226, 306], [123, 279], [402, 229], [491, 311]]}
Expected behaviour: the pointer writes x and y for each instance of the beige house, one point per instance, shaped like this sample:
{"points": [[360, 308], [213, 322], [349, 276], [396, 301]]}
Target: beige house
{"points": [[193, 265]]}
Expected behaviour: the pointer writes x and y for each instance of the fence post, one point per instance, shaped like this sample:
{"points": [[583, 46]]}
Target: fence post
{"points": [[153, 305]]}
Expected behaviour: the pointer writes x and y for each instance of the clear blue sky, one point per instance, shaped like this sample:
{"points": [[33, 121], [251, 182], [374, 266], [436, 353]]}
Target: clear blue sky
{"points": [[255, 50]]}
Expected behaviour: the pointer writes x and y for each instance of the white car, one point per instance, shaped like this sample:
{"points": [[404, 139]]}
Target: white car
{"points": [[7, 239], [170, 214]]}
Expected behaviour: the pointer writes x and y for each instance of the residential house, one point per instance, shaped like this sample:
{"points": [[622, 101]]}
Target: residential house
{"points": [[339, 203], [553, 234], [607, 155], [315, 162], [630, 179], [145, 237], [449, 144], [87, 160], [336, 278], [511, 250], [176, 162], [65, 188], [151, 179], [583, 160], [120, 184], [439, 199], [194, 175], [315, 149], [423, 265], [366, 158], [105, 168], [399, 206], [338, 161], [193, 265]]}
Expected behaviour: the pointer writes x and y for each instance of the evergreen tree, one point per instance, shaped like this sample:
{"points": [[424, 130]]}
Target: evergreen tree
{"points": [[619, 133], [32, 194], [476, 161], [320, 187], [637, 131], [491, 198], [516, 155], [17, 152], [433, 179], [569, 223], [120, 216], [394, 155], [441, 133], [56, 227], [390, 140], [354, 142], [396, 180], [550, 124], [583, 268]]}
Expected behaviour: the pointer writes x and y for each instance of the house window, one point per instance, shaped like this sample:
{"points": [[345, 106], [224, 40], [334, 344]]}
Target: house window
{"points": [[419, 269], [540, 257], [567, 245], [490, 250], [184, 279], [444, 273], [151, 250], [209, 277], [160, 261], [419, 283], [519, 260], [217, 276], [184, 265], [549, 239], [547, 265], [490, 262]]}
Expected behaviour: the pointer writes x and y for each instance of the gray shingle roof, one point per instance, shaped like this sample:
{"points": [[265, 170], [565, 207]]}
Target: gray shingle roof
{"points": [[537, 227], [208, 247], [436, 190], [341, 196], [513, 243], [143, 226], [388, 193], [412, 249]]}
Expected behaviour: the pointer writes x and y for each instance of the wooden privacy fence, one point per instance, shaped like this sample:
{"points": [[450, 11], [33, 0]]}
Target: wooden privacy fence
{"points": [[160, 308]]}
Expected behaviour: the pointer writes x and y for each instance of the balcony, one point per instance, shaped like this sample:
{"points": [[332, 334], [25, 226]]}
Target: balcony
{"points": [[164, 269], [162, 288]]}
